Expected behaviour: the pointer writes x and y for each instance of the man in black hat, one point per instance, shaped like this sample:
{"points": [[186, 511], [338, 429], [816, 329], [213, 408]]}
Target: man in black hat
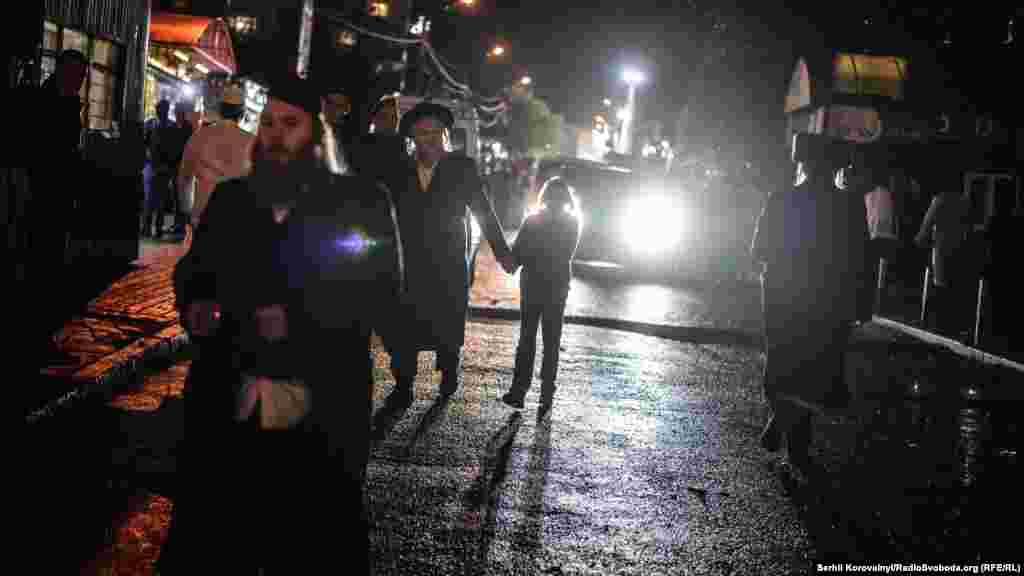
{"points": [[433, 190], [288, 267]]}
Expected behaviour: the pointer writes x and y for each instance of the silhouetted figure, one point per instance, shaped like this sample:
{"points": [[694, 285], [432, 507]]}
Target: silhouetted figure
{"points": [[56, 171], [545, 248], [811, 239]]}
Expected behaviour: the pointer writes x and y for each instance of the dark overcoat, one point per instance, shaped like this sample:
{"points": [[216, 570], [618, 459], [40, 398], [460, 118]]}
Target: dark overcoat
{"points": [[336, 263], [812, 239], [435, 231]]}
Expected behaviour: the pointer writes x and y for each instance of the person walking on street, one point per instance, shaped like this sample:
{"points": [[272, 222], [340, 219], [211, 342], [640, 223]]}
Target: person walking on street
{"points": [[214, 154], [288, 268], [544, 247], [164, 155], [434, 189], [811, 240]]}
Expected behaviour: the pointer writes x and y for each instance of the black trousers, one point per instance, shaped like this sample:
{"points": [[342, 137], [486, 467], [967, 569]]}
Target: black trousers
{"points": [[404, 363], [250, 498], [540, 306]]}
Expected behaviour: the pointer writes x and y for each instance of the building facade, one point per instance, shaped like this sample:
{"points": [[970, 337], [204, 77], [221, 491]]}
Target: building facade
{"points": [[112, 34]]}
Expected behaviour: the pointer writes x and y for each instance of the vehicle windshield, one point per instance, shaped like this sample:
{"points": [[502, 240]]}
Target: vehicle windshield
{"points": [[598, 189]]}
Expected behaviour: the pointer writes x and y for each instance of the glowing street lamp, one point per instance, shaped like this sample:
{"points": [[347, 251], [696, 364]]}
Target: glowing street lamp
{"points": [[498, 50], [526, 80], [632, 78]]}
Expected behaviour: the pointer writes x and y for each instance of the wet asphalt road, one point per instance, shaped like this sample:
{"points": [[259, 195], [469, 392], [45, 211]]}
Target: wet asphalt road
{"points": [[603, 292], [643, 466], [647, 463]]}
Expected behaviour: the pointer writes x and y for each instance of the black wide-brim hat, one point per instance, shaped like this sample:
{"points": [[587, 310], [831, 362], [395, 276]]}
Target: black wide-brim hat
{"points": [[288, 87], [425, 110]]}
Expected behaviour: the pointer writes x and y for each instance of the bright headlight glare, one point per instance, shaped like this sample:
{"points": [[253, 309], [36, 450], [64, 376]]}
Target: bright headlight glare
{"points": [[652, 223]]}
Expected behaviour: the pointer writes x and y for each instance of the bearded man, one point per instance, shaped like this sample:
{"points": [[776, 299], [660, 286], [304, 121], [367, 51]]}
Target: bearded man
{"points": [[288, 267]]}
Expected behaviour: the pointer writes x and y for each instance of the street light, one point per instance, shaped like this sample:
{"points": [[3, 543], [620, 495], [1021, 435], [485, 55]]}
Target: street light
{"points": [[498, 50], [526, 80], [633, 78]]}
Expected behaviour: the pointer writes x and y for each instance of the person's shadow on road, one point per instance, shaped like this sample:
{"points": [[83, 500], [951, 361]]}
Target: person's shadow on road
{"points": [[387, 417]]}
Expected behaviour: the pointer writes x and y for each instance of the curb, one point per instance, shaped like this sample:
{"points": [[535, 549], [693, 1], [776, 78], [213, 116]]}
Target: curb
{"points": [[102, 377], [958, 348]]}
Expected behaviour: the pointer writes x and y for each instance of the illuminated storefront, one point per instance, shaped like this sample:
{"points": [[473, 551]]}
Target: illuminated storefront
{"points": [[190, 57]]}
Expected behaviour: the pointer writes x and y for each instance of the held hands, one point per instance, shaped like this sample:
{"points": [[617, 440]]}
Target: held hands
{"points": [[508, 262]]}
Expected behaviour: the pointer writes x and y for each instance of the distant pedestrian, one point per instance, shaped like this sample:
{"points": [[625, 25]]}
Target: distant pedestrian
{"points": [[545, 247], [214, 154], [167, 146]]}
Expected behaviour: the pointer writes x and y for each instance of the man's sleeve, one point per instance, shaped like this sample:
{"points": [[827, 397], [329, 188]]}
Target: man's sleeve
{"points": [[186, 174], [391, 260], [521, 244], [195, 274], [483, 209]]}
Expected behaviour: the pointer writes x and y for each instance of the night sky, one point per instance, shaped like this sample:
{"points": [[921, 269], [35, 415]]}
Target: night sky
{"points": [[730, 60]]}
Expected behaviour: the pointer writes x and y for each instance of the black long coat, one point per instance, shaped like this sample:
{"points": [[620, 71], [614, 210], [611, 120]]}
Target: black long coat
{"points": [[435, 233], [812, 239], [333, 287]]}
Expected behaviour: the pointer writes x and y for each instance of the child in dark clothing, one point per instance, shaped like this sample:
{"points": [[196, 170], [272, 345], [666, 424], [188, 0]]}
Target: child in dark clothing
{"points": [[544, 247]]}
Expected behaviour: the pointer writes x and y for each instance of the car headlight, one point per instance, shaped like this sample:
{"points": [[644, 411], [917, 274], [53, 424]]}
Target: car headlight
{"points": [[652, 223]]}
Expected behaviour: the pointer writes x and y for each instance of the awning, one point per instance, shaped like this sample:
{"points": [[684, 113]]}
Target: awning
{"points": [[209, 38]]}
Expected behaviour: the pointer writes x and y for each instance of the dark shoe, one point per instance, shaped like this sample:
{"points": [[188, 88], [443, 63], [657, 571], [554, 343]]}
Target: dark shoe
{"points": [[547, 397], [513, 399], [771, 437], [401, 396], [449, 386]]}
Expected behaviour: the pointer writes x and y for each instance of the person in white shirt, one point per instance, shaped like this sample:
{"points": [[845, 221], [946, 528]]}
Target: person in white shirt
{"points": [[214, 154]]}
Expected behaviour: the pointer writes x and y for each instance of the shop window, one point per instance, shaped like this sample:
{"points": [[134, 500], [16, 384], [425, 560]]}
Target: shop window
{"points": [[100, 88], [379, 9], [150, 96], [864, 74], [103, 83]]}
